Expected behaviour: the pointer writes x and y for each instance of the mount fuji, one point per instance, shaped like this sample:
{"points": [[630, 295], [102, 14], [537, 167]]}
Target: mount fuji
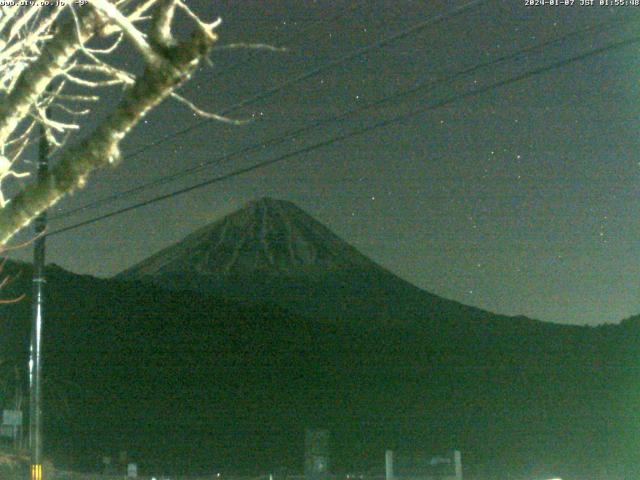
{"points": [[221, 349], [272, 251]]}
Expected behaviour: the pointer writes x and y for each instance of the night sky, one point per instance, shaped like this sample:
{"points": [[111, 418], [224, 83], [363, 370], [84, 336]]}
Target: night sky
{"points": [[520, 200]]}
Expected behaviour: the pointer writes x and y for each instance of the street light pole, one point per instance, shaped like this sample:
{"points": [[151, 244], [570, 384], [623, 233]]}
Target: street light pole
{"points": [[35, 361]]}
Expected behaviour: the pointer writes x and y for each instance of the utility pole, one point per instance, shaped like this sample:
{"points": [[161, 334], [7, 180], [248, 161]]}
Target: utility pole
{"points": [[35, 360]]}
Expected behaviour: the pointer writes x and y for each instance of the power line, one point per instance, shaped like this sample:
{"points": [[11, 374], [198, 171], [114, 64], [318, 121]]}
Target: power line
{"points": [[313, 72], [330, 119], [381, 124], [300, 33]]}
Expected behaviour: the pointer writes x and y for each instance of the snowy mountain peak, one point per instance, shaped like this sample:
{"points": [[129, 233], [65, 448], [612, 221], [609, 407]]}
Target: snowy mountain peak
{"points": [[267, 235]]}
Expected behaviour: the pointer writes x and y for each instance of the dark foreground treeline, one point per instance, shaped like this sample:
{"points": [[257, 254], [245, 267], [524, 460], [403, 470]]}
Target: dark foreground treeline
{"points": [[189, 383]]}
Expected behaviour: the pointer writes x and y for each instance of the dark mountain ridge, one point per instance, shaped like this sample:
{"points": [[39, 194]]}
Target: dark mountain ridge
{"points": [[196, 380], [272, 251]]}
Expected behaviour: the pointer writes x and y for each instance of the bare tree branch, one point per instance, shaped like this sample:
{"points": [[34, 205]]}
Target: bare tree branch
{"points": [[54, 61], [167, 70], [251, 46], [35, 78], [204, 114], [130, 31]]}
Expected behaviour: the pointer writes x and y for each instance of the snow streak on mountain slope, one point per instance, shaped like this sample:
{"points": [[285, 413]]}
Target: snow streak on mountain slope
{"points": [[271, 251], [270, 236]]}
